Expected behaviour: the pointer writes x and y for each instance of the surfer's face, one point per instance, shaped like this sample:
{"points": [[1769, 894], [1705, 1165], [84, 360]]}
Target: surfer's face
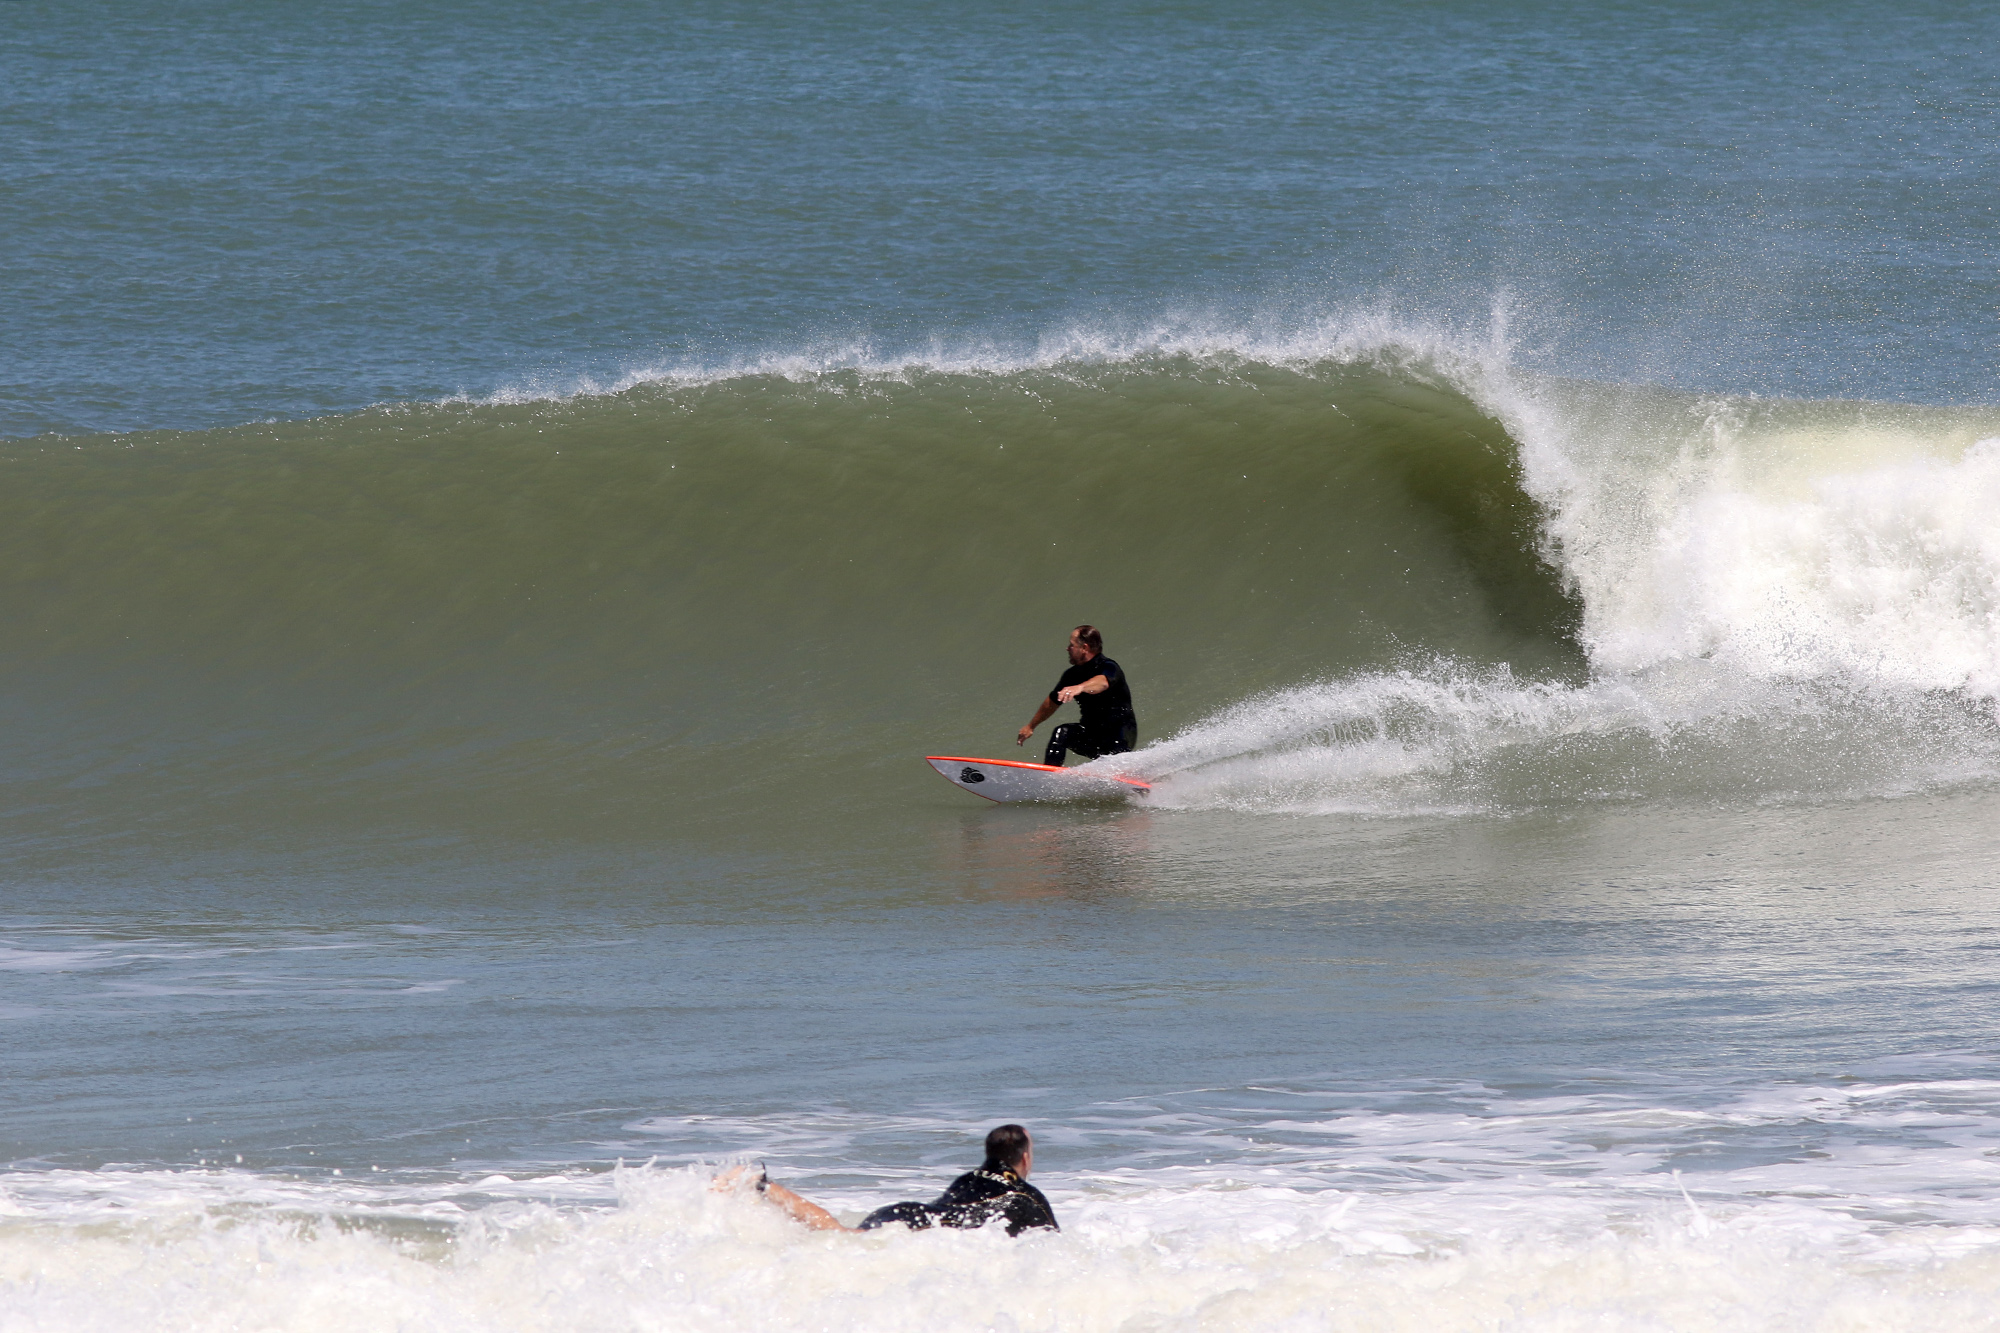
{"points": [[1078, 654]]}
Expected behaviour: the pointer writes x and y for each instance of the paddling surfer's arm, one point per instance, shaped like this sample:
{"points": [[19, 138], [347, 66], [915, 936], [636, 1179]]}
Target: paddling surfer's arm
{"points": [[801, 1209], [1095, 685]]}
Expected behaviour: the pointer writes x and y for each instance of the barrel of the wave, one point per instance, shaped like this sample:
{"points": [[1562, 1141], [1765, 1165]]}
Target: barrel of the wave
{"points": [[1007, 780]]}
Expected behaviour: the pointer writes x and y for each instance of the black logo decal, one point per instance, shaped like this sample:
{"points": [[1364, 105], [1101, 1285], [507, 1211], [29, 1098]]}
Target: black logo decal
{"points": [[970, 774]]}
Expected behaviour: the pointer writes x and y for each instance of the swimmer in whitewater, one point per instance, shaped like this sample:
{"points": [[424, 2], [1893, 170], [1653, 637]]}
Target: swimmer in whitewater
{"points": [[998, 1189], [1097, 684]]}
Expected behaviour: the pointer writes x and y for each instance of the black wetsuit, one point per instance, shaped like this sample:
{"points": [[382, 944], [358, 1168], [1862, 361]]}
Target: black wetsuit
{"points": [[974, 1199], [1108, 725]]}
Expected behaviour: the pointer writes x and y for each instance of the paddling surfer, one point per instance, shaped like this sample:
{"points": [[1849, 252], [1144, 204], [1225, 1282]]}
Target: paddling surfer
{"points": [[998, 1189], [1097, 684]]}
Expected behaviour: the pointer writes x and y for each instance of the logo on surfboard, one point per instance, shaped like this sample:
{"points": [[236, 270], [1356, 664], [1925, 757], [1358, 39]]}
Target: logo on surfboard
{"points": [[970, 774]]}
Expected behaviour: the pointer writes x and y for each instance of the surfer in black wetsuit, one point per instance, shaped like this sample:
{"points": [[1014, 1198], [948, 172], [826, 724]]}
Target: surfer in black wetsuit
{"points": [[1097, 684], [998, 1189]]}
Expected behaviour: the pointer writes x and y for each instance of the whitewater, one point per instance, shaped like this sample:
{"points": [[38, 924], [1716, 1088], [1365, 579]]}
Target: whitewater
{"points": [[1445, 1206]]}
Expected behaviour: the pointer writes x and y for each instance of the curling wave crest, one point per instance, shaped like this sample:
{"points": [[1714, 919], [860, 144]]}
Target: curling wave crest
{"points": [[1777, 600]]}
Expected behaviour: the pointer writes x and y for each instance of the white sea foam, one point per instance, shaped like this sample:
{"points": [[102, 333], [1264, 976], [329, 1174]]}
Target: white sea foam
{"points": [[673, 1257], [1867, 1202], [1780, 599], [1786, 540], [56, 960], [1446, 737]]}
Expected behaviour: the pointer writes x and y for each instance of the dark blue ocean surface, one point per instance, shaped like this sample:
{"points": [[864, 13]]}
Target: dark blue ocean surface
{"points": [[226, 212]]}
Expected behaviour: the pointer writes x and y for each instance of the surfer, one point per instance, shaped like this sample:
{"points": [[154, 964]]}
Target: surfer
{"points": [[1097, 684], [998, 1189]]}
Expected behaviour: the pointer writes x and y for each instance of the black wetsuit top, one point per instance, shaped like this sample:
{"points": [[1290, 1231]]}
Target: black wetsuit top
{"points": [[1106, 715], [973, 1200]]}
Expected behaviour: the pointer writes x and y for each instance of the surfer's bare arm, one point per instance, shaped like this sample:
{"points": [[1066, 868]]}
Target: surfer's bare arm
{"points": [[798, 1207], [1041, 716], [802, 1209], [1095, 685]]}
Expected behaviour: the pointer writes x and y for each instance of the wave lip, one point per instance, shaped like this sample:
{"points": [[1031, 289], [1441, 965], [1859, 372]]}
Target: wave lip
{"points": [[1377, 336]]}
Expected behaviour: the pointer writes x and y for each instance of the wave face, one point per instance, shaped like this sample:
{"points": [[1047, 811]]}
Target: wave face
{"points": [[1366, 575]]}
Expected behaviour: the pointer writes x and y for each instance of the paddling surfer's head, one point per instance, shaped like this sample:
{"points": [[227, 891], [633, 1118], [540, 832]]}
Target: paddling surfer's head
{"points": [[1084, 643], [1009, 1148]]}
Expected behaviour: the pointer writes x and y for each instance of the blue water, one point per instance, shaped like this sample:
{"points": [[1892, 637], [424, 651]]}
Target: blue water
{"points": [[221, 213]]}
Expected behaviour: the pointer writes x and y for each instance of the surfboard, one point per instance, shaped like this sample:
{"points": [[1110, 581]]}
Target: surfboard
{"points": [[1012, 780]]}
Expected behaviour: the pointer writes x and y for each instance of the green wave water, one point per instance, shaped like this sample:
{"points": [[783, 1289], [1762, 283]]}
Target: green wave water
{"points": [[632, 600], [1380, 579]]}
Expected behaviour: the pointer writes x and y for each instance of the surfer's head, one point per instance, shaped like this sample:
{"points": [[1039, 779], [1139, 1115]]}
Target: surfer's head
{"points": [[1009, 1148], [1084, 643]]}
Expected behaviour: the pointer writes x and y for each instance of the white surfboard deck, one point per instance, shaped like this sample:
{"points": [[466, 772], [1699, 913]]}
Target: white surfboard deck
{"points": [[1012, 780]]}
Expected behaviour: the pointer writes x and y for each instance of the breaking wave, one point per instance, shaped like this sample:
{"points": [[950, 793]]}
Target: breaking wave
{"points": [[1358, 569]]}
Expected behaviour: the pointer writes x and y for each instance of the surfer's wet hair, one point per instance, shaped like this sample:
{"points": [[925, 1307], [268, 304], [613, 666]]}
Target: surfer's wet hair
{"points": [[1005, 1147], [1088, 636]]}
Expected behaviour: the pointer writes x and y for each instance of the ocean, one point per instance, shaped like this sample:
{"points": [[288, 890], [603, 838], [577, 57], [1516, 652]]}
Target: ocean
{"points": [[497, 500]]}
